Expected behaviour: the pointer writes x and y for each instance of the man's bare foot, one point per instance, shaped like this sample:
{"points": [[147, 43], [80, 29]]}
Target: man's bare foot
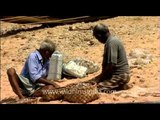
{"points": [[127, 86], [21, 97]]}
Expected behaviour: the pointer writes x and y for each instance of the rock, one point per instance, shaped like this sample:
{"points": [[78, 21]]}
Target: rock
{"points": [[137, 60], [90, 65], [142, 80], [90, 43], [115, 99], [13, 59], [138, 53], [72, 28]]}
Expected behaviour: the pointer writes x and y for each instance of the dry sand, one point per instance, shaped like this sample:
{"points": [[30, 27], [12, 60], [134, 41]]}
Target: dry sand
{"points": [[135, 32]]}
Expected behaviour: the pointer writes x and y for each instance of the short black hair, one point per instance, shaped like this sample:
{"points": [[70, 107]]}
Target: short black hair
{"points": [[100, 29]]}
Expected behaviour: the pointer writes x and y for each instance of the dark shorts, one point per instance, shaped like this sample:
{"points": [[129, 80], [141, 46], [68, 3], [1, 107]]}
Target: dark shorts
{"points": [[117, 81]]}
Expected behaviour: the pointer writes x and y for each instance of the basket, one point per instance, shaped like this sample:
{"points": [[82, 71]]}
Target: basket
{"points": [[81, 93], [27, 101], [20, 101], [53, 94]]}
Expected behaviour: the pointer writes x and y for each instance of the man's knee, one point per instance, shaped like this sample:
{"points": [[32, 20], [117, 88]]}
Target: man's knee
{"points": [[128, 78], [11, 71], [48, 87]]}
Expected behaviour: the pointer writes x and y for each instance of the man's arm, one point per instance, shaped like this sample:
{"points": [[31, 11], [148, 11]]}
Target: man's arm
{"points": [[47, 82], [107, 71], [109, 60], [35, 73]]}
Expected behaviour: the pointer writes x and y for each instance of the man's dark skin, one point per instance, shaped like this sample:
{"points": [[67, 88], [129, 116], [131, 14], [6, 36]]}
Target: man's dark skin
{"points": [[15, 82], [115, 69], [102, 37]]}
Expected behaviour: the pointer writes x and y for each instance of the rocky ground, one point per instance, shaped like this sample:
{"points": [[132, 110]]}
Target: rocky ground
{"points": [[139, 34]]}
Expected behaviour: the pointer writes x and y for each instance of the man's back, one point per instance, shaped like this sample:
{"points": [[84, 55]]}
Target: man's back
{"points": [[34, 67], [114, 52]]}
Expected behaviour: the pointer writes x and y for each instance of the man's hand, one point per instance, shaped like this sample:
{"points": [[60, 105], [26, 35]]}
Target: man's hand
{"points": [[55, 85], [95, 79], [48, 82]]}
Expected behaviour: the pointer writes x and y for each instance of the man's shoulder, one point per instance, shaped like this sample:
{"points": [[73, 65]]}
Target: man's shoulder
{"points": [[115, 40], [33, 54]]}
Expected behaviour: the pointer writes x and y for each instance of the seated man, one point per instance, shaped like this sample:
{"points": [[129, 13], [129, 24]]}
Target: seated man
{"points": [[32, 79], [115, 69]]}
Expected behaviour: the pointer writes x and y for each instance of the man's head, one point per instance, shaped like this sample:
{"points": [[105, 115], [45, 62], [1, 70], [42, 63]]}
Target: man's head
{"points": [[47, 47], [101, 32]]}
